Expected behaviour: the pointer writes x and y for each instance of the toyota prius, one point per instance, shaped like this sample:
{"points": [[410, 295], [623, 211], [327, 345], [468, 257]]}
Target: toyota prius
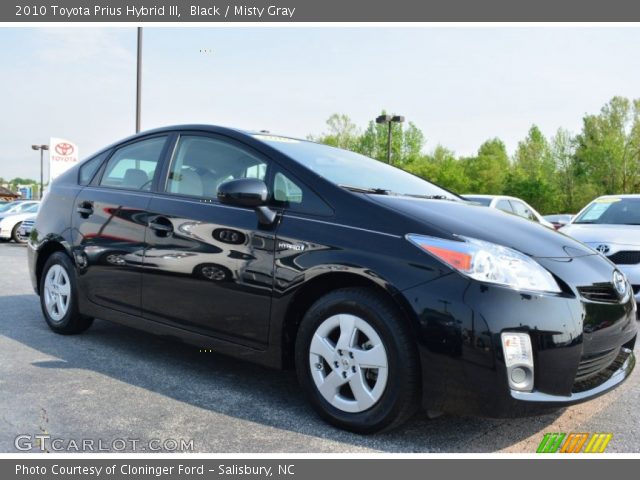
{"points": [[385, 292]]}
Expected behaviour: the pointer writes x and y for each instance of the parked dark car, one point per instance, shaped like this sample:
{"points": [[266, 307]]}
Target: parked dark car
{"points": [[384, 291]]}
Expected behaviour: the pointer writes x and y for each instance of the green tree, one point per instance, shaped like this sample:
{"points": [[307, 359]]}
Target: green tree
{"points": [[532, 176], [342, 132], [22, 181], [442, 167], [608, 148], [487, 171], [406, 143]]}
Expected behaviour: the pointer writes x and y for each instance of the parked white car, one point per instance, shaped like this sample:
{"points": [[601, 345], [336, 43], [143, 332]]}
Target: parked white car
{"points": [[611, 225], [11, 222], [17, 206], [25, 228], [512, 205]]}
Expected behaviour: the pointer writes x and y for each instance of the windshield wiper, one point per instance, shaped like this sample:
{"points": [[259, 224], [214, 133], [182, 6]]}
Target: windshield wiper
{"points": [[429, 197], [376, 191]]}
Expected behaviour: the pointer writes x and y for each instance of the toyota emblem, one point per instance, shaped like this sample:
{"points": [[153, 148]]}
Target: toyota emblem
{"points": [[620, 283], [64, 149], [603, 249]]}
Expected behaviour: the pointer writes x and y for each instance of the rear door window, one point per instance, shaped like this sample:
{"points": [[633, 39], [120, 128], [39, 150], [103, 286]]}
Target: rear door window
{"points": [[522, 210], [133, 166], [504, 205]]}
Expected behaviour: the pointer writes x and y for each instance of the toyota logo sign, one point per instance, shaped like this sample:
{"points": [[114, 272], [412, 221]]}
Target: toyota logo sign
{"points": [[603, 249], [64, 149]]}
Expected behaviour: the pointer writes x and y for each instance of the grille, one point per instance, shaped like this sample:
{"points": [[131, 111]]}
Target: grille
{"points": [[593, 364], [600, 293], [594, 370], [625, 257]]}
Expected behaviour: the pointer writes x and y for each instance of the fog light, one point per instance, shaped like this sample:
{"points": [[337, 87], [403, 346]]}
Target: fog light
{"points": [[518, 358]]}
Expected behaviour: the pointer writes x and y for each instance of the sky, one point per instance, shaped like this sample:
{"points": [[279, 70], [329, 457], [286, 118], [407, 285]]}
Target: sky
{"points": [[459, 85]]}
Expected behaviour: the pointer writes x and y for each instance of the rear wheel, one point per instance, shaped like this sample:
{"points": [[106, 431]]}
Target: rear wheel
{"points": [[15, 236], [357, 362], [58, 296]]}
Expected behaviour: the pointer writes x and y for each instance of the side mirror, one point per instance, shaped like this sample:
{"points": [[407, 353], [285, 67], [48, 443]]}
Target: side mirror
{"points": [[244, 192]]}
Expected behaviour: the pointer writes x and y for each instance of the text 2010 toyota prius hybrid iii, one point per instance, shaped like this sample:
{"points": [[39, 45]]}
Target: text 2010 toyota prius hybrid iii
{"points": [[385, 291]]}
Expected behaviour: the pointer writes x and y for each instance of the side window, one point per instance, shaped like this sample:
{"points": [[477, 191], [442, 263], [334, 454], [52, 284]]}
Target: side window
{"points": [[504, 205], [201, 164], [132, 167], [522, 210], [284, 190], [89, 168], [296, 197]]}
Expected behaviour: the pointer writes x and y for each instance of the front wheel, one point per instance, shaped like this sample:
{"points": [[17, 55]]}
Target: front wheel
{"points": [[357, 362], [58, 296]]}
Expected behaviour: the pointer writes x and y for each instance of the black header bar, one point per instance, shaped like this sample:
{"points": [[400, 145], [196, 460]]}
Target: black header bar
{"points": [[320, 11]]}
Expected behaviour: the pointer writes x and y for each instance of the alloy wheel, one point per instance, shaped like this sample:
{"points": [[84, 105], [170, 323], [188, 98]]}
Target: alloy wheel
{"points": [[348, 363], [57, 292]]}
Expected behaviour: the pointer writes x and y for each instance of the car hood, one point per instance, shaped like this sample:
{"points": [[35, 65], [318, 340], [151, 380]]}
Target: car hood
{"points": [[444, 218], [597, 234], [16, 217]]}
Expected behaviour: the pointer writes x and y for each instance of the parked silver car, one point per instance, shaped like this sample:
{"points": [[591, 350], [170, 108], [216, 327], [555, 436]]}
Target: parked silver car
{"points": [[513, 205], [25, 228], [611, 225]]}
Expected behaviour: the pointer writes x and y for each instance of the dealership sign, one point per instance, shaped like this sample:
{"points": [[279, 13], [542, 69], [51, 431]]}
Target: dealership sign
{"points": [[63, 154]]}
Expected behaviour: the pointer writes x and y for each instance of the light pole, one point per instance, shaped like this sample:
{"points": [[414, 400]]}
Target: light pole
{"points": [[42, 148], [139, 80], [388, 119]]}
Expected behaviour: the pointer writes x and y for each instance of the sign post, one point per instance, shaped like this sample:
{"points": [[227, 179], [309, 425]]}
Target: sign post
{"points": [[63, 154]]}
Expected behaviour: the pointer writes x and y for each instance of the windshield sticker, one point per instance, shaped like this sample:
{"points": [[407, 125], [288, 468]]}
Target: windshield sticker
{"points": [[273, 138], [607, 200]]}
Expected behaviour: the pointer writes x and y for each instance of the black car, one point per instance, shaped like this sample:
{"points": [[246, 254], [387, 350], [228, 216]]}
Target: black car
{"points": [[384, 291]]}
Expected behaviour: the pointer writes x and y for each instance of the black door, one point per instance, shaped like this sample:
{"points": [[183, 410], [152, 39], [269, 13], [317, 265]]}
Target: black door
{"points": [[208, 267], [109, 224]]}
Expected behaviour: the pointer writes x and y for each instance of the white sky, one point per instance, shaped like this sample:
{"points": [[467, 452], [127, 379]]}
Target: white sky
{"points": [[461, 86]]}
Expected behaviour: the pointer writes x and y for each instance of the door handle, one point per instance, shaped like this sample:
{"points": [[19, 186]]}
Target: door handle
{"points": [[85, 209], [161, 225]]}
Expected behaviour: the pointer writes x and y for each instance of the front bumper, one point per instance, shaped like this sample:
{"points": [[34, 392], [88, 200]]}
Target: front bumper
{"points": [[613, 376], [461, 353]]}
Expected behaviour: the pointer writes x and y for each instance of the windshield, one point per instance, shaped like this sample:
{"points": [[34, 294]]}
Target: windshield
{"points": [[31, 208], [8, 206], [485, 201], [612, 211], [350, 169]]}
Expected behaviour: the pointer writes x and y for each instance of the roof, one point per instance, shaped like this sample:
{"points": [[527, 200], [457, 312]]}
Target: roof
{"points": [[622, 195], [5, 192]]}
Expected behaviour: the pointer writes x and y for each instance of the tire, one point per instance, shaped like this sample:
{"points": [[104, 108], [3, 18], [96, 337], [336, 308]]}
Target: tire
{"points": [[377, 407], [14, 234], [58, 280]]}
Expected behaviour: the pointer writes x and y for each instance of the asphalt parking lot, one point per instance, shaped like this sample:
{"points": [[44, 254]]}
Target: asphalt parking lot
{"points": [[117, 383]]}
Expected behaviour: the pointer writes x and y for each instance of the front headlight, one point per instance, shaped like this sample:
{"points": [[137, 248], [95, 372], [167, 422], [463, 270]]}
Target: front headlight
{"points": [[488, 262]]}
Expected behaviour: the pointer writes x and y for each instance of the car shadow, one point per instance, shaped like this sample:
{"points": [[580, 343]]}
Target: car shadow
{"points": [[238, 389]]}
